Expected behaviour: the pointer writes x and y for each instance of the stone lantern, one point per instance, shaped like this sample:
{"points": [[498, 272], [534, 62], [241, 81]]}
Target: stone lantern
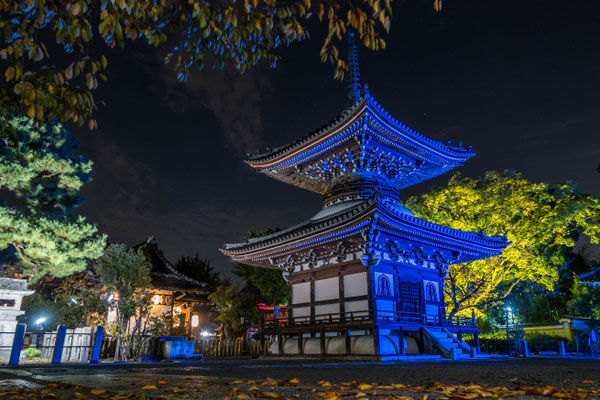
{"points": [[12, 292]]}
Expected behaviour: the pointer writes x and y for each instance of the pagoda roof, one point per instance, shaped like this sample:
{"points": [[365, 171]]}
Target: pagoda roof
{"points": [[355, 141], [394, 227]]}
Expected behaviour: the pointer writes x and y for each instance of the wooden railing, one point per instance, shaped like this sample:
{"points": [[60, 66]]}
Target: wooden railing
{"points": [[227, 348], [365, 316]]}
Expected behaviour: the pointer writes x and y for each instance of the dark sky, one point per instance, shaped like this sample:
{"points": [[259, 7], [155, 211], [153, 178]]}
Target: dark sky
{"points": [[518, 80]]}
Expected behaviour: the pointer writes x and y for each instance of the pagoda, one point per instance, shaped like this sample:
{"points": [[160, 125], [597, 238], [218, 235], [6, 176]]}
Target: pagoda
{"points": [[365, 275]]}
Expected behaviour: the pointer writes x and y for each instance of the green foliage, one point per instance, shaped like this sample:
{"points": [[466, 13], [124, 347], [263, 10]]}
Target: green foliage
{"points": [[38, 168], [268, 283], [235, 33], [230, 300], [200, 270], [57, 307], [585, 301], [32, 352], [541, 220], [38, 164], [126, 273]]}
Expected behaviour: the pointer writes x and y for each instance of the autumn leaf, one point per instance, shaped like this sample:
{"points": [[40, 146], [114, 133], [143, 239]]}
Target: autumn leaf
{"points": [[162, 382], [150, 387], [254, 387], [365, 386], [97, 391], [270, 395], [294, 380]]}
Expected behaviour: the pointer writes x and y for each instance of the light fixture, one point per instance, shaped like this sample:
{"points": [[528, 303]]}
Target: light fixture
{"points": [[109, 297], [72, 300], [195, 321], [40, 321], [178, 310], [156, 299], [508, 309]]}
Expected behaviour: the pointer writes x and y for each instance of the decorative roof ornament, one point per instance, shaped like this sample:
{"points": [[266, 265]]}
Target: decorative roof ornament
{"points": [[353, 72]]}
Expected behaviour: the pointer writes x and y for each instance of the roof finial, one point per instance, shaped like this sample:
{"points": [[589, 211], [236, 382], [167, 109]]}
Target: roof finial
{"points": [[353, 73]]}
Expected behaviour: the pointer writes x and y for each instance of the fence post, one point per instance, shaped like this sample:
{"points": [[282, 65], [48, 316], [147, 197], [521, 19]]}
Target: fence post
{"points": [[59, 344], [561, 348], [525, 349], [98, 335], [15, 353]]}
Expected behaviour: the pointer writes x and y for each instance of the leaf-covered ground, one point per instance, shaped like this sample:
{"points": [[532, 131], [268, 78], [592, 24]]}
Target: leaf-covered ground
{"points": [[566, 379]]}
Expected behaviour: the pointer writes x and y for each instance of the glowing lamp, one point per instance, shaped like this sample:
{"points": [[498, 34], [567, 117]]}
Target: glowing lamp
{"points": [[110, 297], [40, 321], [205, 333], [72, 300], [156, 299], [178, 309], [195, 321]]}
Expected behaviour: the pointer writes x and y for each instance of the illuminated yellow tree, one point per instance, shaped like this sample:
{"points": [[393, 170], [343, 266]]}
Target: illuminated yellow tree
{"points": [[541, 220]]}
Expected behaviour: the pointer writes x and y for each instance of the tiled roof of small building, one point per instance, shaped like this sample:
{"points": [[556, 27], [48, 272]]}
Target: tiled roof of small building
{"points": [[163, 274]]}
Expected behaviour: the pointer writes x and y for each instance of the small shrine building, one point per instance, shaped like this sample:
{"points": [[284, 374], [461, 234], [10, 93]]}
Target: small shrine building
{"points": [[365, 275]]}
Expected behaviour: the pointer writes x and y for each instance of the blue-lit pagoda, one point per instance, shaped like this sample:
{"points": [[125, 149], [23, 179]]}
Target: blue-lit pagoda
{"points": [[365, 275]]}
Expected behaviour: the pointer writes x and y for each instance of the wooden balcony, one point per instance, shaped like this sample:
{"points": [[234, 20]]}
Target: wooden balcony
{"points": [[364, 320]]}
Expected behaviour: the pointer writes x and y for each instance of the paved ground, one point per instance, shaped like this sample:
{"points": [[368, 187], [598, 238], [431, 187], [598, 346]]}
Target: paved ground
{"points": [[453, 380]]}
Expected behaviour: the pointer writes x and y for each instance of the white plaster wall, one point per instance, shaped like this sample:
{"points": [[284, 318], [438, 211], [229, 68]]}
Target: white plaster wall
{"points": [[327, 289], [301, 312], [327, 309], [301, 293], [357, 308], [355, 284]]}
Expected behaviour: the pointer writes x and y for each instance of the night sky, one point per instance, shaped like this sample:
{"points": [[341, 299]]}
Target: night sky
{"points": [[517, 80]]}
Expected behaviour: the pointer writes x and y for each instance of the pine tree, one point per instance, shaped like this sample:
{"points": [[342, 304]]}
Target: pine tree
{"points": [[43, 177]]}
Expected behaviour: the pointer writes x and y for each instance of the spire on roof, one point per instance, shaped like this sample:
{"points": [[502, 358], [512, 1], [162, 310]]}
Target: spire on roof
{"points": [[353, 73]]}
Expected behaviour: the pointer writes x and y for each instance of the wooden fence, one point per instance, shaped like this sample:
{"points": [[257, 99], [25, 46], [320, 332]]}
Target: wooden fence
{"points": [[227, 348]]}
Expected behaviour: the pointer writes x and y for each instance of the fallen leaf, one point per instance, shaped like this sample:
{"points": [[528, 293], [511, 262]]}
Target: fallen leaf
{"points": [[79, 395], [360, 394], [150, 387], [365, 386], [242, 396], [294, 380], [253, 388], [97, 391], [162, 382], [588, 381], [270, 395]]}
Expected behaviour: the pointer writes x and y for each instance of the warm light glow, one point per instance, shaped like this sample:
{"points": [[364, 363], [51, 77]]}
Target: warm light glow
{"points": [[40, 321], [178, 310], [195, 321], [206, 334], [156, 299]]}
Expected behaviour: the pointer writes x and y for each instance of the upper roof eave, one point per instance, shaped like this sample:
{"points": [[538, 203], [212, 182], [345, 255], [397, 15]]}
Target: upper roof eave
{"points": [[367, 102]]}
